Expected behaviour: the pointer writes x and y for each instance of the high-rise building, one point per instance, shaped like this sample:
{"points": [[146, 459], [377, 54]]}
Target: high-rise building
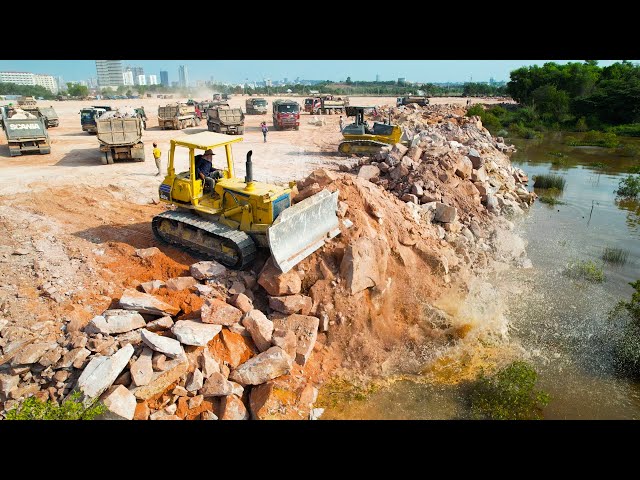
{"points": [[377, 77], [164, 78], [153, 80], [60, 82], [141, 80], [127, 77], [109, 73], [183, 76], [93, 82], [25, 78]]}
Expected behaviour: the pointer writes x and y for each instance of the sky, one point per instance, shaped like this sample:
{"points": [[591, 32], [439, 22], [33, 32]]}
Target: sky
{"points": [[237, 71]]}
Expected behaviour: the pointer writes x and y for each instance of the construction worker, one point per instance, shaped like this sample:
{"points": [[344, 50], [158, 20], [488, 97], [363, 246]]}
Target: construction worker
{"points": [[156, 156], [341, 123], [263, 127]]}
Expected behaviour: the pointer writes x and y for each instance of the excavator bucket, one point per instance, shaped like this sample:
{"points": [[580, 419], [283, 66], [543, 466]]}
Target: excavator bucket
{"points": [[303, 228]]}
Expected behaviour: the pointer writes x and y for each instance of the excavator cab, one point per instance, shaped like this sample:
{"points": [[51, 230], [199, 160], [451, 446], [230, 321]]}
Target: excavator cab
{"points": [[360, 138], [230, 219]]}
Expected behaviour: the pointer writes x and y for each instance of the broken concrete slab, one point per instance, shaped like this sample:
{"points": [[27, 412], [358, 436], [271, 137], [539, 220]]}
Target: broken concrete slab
{"points": [[170, 347], [174, 369], [217, 312], [163, 323], [115, 321], [260, 328], [207, 270], [263, 367], [194, 332], [291, 304], [145, 303], [142, 369], [180, 283], [305, 328], [120, 403]]}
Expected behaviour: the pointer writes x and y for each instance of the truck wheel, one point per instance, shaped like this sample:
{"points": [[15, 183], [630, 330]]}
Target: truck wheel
{"points": [[109, 158], [103, 159], [298, 128]]}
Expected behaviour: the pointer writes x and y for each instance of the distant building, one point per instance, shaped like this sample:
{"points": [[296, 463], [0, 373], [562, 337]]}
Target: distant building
{"points": [[61, 85], [377, 77], [141, 80], [164, 78], [25, 78], [153, 80], [127, 77], [183, 76], [174, 84], [93, 82], [109, 73], [402, 80], [268, 82]]}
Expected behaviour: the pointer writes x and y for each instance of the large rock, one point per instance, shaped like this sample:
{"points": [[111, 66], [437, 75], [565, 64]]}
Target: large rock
{"points": [[277, 283], [241, 301], [115, 321], [153, 286], [232, 348], [194, 332], [232, 408], [77, 355], [399, 173], [363, 264], [400, 149], [207, 270], [217, 312], [285, 339], [180, 283], [445, 213], [145, 303], [260, 328], [277, 400], [306, 330], [173, 370], [195, 381], [218, 386], [32, 353], [208, 364], [368, 172], [163, 323], [142, 369], [170, 347], [100, 374], [263, 367], [120, 403], [463, 168], [291, 304], [8, 383], [147, 252], [476, 160]]}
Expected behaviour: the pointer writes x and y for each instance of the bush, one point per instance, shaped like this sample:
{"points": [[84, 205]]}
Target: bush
{"points": [[627, 130], [476, 109], [550, 200], [71, 409], [629, 187], [509, 394], [585, 269], [581, 125], [502, 133]]}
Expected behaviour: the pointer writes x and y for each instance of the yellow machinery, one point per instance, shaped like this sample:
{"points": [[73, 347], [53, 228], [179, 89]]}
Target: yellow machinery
{"points": [[229, 218], [361, 139]]}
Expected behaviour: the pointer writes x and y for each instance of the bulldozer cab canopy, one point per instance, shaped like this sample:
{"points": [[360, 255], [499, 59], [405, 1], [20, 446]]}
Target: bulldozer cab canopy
{"points": [[207, 140]]}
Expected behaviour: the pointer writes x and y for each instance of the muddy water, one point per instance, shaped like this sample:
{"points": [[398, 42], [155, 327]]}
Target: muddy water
{"points": [[558, 324]]}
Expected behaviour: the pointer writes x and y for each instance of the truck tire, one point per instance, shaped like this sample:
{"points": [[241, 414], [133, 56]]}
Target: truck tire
{"points": [[298, 127], [109, 158], [103, 159]]}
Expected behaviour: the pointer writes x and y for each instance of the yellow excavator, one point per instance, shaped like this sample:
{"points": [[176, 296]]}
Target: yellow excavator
{"points": [[228, 218], [362, 139]]}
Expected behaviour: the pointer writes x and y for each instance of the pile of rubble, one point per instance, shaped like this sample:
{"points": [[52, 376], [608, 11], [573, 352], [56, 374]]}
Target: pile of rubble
{"points": [[415, 222], [21, 114], [120, 112]]}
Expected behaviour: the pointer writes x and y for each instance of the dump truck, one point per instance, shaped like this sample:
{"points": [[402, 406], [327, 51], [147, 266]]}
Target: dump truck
{"points": [[25, 133], [177, 116], [420, 100], [230, 217], [286, 114], [89, 115], [225, 120], [325, 104], [48, 113], [120, 138], [256, 106], [27, 102]]}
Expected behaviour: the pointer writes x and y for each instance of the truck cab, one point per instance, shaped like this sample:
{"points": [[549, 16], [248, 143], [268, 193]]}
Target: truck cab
{"points": [[286, 114], [89, 115]]}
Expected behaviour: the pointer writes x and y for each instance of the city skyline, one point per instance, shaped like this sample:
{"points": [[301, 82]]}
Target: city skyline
{"points": [[241, 71]]}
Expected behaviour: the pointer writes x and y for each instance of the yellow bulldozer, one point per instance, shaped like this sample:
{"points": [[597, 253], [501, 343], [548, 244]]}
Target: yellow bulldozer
{"points": [[228, 218], [362, 139]]}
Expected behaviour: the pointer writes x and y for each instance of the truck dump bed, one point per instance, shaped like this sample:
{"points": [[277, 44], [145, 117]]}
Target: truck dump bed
{"points": [[227, 116], [119, 131], [21, 129], [175, 110]]}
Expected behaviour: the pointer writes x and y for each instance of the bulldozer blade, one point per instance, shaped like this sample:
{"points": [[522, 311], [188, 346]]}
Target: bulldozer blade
{"points": [[303, 228]]}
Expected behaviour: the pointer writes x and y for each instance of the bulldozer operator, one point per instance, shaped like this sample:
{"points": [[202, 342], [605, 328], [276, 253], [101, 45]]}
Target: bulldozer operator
{"points": [[205, 170]]}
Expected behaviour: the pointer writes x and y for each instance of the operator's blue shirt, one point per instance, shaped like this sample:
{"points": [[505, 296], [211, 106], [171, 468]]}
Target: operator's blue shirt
{"points": [[202, 166]]}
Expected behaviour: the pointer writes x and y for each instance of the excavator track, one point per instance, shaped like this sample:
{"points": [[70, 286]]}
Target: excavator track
{"points": [[233, 248], [360, 147]]}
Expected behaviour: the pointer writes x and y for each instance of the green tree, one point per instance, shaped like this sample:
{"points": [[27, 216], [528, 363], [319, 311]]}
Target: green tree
{"points": [[348, 81], [77, 90]]}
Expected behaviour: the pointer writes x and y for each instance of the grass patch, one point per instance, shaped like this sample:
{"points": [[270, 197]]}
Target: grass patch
{"points": [[338, 390], [550, 200], [594, 138], [599, 165], [626, 130], [557, 154], [615, 256], [510, 394], [586, 270], [549, 181], [71, 409]]}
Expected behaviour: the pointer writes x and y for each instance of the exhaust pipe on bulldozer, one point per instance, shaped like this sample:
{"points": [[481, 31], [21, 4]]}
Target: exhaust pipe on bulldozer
{"points": [[248, 179]]}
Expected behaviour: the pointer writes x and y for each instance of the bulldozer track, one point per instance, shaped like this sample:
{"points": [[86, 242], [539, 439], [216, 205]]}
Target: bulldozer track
{"points": [[199, 230], [360, 147]]}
